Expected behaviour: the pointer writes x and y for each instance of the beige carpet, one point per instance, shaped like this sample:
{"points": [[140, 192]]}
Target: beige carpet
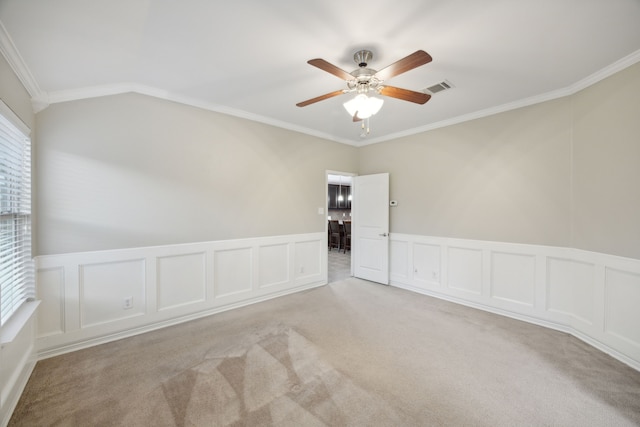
{"points": [[350, 353]]}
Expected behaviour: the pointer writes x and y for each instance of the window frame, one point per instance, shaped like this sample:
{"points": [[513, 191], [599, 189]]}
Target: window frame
{"points": [[17, 275]]}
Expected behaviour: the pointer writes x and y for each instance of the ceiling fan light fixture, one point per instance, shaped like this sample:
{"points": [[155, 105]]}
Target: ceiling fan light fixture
{"points": [[365, 106]]}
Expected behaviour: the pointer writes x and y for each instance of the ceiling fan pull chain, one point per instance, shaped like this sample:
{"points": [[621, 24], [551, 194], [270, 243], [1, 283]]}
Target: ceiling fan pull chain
{"points": [[365, 131]]}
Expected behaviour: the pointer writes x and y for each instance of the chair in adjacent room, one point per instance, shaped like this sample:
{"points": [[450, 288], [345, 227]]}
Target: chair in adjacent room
{"points": [[335, 238], [347, 236]]}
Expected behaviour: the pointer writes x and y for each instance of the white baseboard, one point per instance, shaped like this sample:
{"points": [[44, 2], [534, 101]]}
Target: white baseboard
{"points": [[592, 296], [16, 392], [57, 351], [18, 367]]}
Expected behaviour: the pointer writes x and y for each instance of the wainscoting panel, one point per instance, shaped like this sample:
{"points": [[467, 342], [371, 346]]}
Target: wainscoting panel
{"points": [[399, 265], [95, 297], [559, 286], [274, 268], [307, 262], [104, 288], [622, 309], [465, 270], [426, 264], [570, 288], [51, 295], [233, 270], [181, 280], [513, 278], [593, 296]]}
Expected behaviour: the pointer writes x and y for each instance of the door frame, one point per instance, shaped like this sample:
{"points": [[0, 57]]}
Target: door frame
{"points": [[326, 208]]}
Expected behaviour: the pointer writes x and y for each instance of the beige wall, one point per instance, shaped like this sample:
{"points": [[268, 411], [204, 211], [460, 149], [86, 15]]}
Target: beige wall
{"points": [[130, 171], [501, 178], [606, 152], [560, 173]]}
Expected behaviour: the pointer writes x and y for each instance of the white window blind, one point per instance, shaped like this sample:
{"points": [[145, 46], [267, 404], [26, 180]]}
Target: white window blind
{"points": [[16, 266]]}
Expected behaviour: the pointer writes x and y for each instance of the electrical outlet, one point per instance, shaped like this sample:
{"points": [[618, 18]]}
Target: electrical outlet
{"points": [[128, 303], [434, 275], [301, 269]]}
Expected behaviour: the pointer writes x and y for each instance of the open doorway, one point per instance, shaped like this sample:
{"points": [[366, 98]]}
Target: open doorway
{"points": [[339, 196]]}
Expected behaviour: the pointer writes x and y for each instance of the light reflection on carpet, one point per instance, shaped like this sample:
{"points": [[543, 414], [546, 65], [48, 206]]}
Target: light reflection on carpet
{"points": [[272, 377]]}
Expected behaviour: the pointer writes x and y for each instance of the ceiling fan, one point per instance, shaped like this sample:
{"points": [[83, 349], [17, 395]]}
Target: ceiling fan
{"points": [[364, 81]]}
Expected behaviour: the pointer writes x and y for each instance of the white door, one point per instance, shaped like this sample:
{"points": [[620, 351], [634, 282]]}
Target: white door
{"points": [[370, 231]]}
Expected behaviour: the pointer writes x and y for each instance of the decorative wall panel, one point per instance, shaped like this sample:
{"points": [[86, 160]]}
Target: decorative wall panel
{"points": [[584, 289], [570, 288], [274, 265], [51, 295], [622, 305], [513, 277], [465, 269], [111, 291], [307, 263], [233, 271], [399, 261], [181, 280], [426, 263]]}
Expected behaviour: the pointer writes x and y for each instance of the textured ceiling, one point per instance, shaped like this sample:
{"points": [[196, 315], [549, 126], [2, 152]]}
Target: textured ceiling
{"points": [[248, 57]]}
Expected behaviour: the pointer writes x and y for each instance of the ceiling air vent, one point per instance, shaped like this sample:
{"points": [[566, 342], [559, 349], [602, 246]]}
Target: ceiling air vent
{"points": [[443, 85]]}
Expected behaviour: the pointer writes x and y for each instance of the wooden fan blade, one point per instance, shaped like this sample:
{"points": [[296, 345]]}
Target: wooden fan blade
{"points": [[405, 94], [320, 98], [416, 59], [330, 68]]}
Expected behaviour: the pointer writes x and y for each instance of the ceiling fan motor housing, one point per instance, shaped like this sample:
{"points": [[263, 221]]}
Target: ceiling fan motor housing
{"points": [[362, 57], [364, 80]]}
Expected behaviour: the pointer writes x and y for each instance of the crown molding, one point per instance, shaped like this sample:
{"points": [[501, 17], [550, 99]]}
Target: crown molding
{"points": [[590, 80], [17, 64], [473, 116], [608, 71], [14, 119], [121, 88]]}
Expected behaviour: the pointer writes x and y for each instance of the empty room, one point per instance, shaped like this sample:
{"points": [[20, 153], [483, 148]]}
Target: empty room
{"points": [[178, 181]]}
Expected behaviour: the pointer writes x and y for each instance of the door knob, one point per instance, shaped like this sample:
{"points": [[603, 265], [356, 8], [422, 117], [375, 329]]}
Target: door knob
{"points": [[383, 235]]}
